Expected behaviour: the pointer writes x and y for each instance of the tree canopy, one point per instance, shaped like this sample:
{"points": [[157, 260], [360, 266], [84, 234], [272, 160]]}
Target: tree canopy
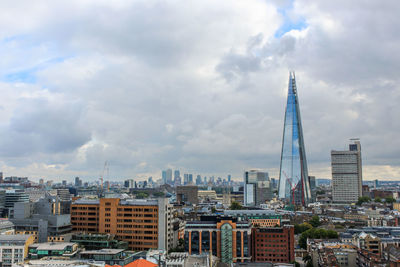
{"points": [[300, 228], [390, 200], [315, 222], [316, 233], [362, 200], [235, 206]]}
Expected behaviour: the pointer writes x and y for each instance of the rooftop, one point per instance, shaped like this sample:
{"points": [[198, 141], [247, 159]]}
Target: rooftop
{"points": [[52, 246], [6, 238], [103, 251]]}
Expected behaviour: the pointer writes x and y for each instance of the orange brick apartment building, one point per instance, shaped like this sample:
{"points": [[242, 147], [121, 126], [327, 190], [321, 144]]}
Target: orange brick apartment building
{"points": [[143, 223]]}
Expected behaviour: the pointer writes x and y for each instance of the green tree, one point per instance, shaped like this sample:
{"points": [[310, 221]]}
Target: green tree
{"points": [[300, 228], [362, 200], [296, 264], [307, 258], [235, 206], [315, 222], [309, 264], [213, 210], [142, 195], [390, 200], [316, 233], [378, 200]]}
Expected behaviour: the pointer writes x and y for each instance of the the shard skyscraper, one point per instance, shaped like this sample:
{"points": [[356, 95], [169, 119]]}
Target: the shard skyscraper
{"points": [[294, 185]]}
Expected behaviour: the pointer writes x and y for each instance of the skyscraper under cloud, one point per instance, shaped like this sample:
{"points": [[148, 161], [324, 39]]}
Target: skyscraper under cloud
{"points": [[294, 186], [347, 173]]}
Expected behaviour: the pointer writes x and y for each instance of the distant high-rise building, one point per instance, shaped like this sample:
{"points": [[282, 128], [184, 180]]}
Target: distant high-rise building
{"points": [[164, 177], [177, 177], [185, 178], [274, 183], [229, 178], [257, 188], [64, 183], [1, 177], [293, 176], [347, 174], [177, 174], [169, 176], [130, 183], [190, 178], [313, 188], [78, 182], [198, 180]]}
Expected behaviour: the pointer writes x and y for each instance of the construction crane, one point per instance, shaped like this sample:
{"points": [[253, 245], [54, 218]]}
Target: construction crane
{"points": [[105, 168]]}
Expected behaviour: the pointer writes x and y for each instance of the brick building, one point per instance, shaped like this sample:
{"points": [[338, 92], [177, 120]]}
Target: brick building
{"points": [[274, 244], [142, 223]]}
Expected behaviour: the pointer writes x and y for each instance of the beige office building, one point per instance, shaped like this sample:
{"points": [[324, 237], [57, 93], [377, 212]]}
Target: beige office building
{"points": [[347, 174]]}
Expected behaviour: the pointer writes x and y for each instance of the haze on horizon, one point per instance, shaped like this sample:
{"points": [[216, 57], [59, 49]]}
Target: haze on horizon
{"points": [[195, 85]]}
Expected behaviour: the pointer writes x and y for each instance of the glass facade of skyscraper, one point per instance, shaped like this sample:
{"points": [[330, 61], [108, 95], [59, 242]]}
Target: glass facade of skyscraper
{"points": [[293, 177]]}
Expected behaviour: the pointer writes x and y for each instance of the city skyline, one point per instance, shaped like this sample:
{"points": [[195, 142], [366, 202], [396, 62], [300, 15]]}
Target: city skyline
{"points": [[103, 82]]}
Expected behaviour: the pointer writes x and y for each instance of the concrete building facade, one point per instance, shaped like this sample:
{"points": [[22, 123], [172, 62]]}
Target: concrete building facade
{"points": [[187, 194], [347, 174], [257, 187], [14, 248]]}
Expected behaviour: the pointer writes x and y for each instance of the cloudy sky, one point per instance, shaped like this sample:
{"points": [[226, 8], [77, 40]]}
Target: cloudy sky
{"points": [[195, 85]]}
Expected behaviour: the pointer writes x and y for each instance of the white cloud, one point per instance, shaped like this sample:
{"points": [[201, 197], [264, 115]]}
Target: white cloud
{"points": [[199, 85]]}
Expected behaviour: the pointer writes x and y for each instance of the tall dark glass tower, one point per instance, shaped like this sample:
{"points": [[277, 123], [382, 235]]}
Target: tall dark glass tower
{"points": [[294, 185]]}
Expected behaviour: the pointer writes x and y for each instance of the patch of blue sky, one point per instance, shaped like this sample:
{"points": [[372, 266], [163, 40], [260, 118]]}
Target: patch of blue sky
{"points": [[287, 26], [13, 38], [288, 22], [28, 75]]}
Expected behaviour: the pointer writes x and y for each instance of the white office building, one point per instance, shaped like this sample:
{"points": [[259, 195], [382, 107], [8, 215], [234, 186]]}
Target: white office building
{"points": [[14, 248]]}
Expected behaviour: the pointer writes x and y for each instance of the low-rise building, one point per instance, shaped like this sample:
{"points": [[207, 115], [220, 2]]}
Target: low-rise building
{"points": [[258, 217], [59, 249], [187, 194], [98, 241], [6, 227], [367, 242], [273, 244], [226, 238], [109, 256], [14, 248], [60, 263]]}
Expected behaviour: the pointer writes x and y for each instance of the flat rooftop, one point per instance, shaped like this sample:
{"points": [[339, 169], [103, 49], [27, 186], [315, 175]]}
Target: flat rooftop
{"points": [[52, 245], [103, 251], [21, 238]]}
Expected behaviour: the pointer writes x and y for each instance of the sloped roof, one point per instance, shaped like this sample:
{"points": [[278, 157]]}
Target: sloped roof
{"points": [[141, 263]]}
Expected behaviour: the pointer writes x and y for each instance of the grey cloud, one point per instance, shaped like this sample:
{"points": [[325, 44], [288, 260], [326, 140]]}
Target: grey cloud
{"points": [[40, 126], [214, 73]]}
